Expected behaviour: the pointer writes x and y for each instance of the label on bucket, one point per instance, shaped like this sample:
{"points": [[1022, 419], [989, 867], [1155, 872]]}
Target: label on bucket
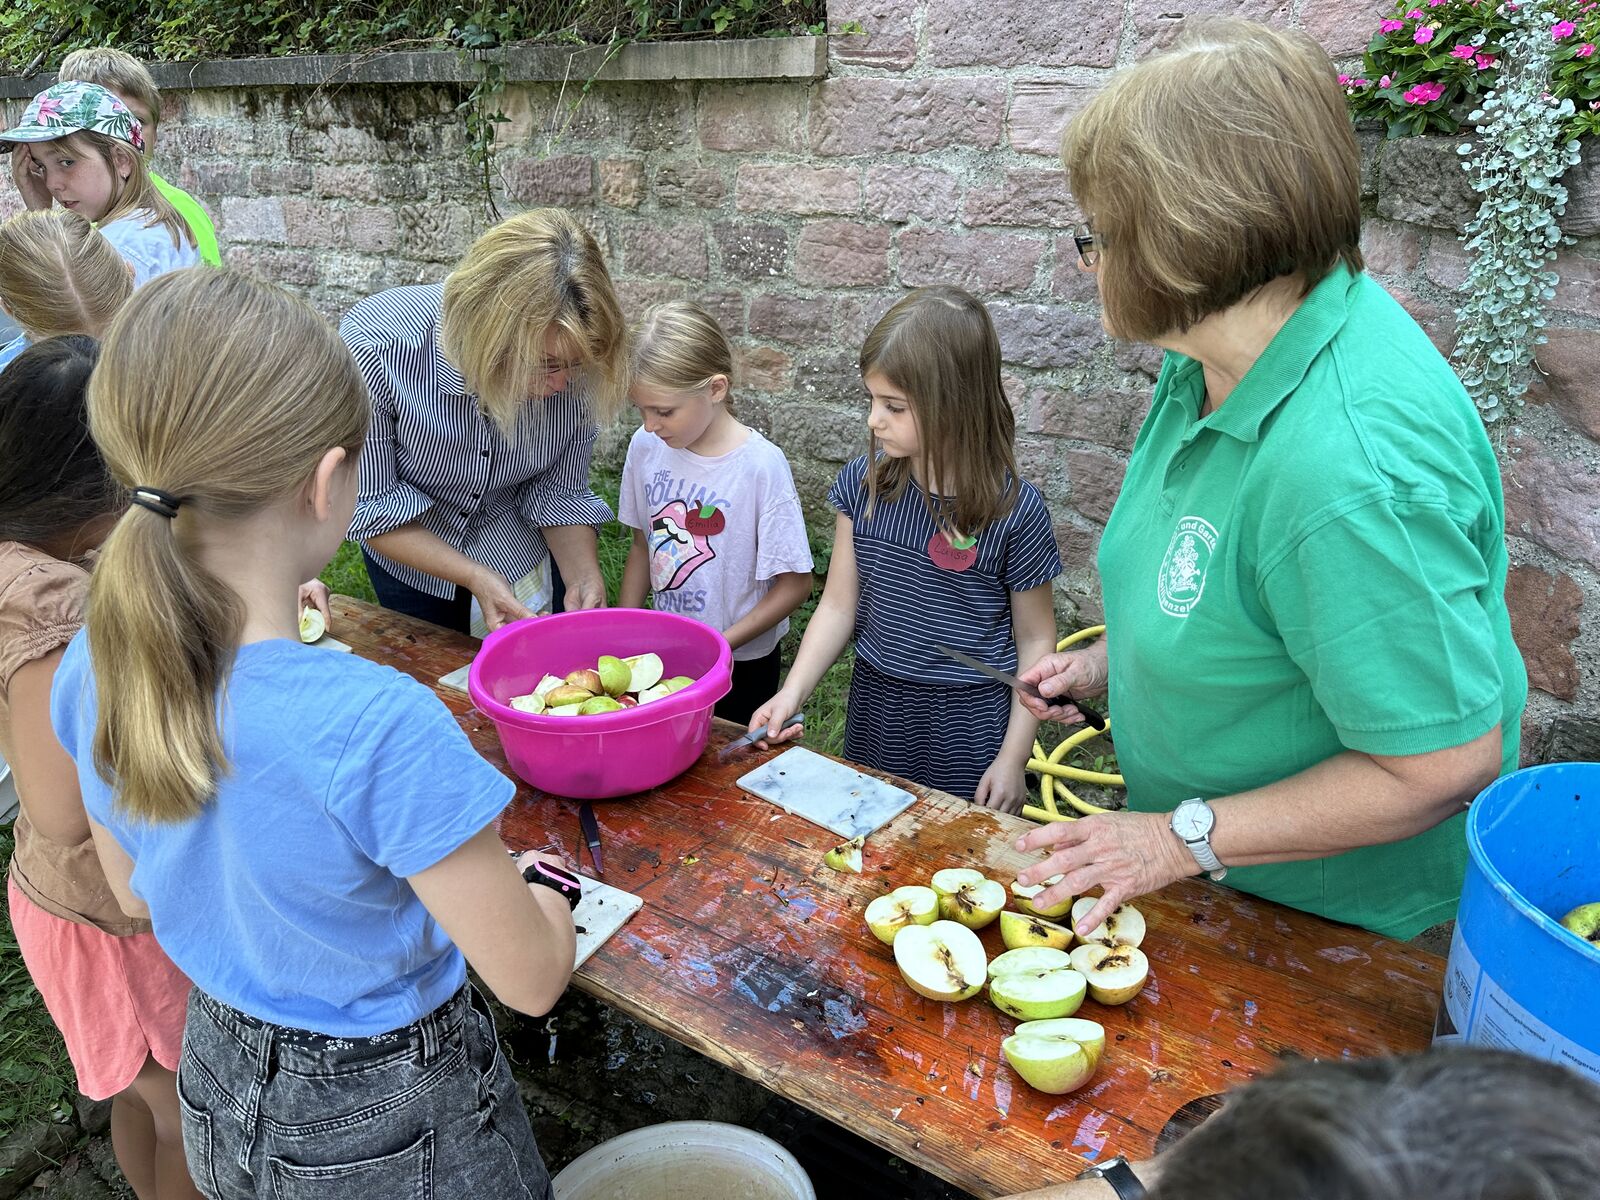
{"points": [[1476, 1009]]}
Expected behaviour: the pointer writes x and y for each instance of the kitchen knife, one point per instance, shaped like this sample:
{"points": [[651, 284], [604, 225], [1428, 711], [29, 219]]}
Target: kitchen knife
{"points": [[1091, 718], [591, 834], [755, 735]]}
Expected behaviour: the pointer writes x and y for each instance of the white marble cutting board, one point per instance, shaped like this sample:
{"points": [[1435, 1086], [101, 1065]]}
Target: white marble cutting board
{"points": [[602, 911], [827, 793]]}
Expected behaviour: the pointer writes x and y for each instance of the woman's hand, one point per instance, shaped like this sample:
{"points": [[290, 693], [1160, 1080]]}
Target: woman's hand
{"points": [[1125, 854], [314, 594], [29, 178], [1060, 677], [584, 592], [773, 714], [494, 596], [1004, 786]]}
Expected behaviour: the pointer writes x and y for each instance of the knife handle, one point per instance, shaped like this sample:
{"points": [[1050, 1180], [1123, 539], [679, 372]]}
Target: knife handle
{"points": [[1091, 718]]}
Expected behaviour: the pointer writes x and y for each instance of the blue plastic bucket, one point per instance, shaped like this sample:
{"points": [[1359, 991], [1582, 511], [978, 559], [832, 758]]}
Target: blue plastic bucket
{"points": [[1516, 979]]}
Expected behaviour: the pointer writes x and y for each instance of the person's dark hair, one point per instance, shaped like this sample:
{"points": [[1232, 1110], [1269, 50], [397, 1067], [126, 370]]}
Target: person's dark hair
{"points": [[52, 479], [1455, 1124]]}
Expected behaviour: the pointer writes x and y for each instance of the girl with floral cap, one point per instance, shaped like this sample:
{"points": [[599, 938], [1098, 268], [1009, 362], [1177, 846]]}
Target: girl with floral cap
{"points": [[80, 147]]}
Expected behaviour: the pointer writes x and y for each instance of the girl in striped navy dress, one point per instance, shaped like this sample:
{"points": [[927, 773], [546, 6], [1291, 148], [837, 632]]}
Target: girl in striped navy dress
{"points": [[937, 541]]}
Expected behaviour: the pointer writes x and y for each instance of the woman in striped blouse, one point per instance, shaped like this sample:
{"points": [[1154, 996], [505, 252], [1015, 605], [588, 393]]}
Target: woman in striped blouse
{"points": [[485, 394]]}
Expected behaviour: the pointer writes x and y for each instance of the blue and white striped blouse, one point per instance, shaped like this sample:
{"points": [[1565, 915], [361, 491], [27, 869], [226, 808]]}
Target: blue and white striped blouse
{"points": [[908, 603], [434, 457]]}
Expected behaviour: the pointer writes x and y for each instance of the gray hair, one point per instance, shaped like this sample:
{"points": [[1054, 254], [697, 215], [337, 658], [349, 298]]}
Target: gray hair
{"points": [[1456, 1124]]}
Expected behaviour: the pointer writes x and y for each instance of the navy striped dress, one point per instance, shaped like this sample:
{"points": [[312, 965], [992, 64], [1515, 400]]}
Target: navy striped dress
{"points": [[913, 711], [434, 457]]}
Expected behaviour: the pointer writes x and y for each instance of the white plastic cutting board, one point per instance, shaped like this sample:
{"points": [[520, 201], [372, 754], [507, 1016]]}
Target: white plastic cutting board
{"points": [[602, 911], [827, 793]]}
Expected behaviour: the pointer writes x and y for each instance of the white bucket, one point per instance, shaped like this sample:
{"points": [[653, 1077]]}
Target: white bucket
{"points": [[708, 1160]]}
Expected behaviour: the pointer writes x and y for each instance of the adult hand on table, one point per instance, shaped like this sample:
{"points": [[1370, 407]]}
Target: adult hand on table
{"points": [[1062, 676], [29, 178], [494, 596], [1125, 854]]}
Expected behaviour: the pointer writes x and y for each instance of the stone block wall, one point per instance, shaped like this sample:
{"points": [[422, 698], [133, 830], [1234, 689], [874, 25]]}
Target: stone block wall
{"points": [[799, 210]]}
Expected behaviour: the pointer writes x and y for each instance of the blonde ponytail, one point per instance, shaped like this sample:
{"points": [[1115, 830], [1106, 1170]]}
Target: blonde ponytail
{"points": [[224, 392], [59, 276]]}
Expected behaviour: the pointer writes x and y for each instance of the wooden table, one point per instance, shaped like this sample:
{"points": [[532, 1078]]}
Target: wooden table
{"points": [[752, 952]]}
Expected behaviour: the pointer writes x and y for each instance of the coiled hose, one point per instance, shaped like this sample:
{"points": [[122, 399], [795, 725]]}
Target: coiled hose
{"points": [[1051, 770]]}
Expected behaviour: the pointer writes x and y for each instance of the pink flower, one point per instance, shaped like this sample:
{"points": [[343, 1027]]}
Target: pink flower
{"points": [[1424, 93], [1385, 82], [1585, 50], [1562, 29], [1485, 61], [1361, 83], [1462, 51], [1414, 15], [49, 108], [1435, 3], [1344, 81], [1423, 35], [1390, 25]]}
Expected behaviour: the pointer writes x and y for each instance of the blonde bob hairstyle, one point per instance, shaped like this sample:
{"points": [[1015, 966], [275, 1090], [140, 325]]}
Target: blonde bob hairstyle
{"points": [[533, 273], [59, 276], [939, 347], [226, 392], [679, 347], [132, 191], [1212, 169]]}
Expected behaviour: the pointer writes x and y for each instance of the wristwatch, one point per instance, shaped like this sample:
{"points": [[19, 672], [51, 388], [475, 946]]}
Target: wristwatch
{"points": [[556, 879], [1192, 821], [1119, 1175]]}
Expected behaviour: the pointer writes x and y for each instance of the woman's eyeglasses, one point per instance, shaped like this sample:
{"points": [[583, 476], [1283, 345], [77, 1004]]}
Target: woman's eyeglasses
{"points": [[1088, 246]]}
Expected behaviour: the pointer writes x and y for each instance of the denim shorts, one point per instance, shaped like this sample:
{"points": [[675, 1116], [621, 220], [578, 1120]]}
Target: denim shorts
{"points": [[427, 1112]]}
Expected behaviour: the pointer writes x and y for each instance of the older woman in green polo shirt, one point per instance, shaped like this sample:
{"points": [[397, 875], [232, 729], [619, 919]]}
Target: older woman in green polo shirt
{"points": [[1308, 653]]}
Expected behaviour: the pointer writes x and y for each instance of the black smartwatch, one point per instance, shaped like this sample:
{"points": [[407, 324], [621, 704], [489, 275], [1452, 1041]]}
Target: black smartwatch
{"points": [[1120, 1176], [556, 879]]}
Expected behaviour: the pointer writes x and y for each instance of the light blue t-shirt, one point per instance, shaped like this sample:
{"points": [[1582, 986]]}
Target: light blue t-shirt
{"points": [[11, 349], [286, 897], [149, 248]]}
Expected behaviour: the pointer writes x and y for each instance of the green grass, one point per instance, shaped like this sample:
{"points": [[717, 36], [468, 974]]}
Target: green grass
{"points": [[36, 1077], [347, 575]]}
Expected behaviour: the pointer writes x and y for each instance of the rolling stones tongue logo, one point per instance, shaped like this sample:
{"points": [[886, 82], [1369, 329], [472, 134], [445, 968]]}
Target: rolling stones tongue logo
{"points": [[680, 541], [952, 554]]}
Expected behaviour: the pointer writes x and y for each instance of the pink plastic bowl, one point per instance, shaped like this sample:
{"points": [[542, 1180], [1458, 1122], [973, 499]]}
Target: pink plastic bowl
{"points": [[609, 754]]}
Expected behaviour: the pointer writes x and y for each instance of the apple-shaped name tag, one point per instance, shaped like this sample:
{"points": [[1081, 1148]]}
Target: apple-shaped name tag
{"points": [[952, 554], [708, 520]]}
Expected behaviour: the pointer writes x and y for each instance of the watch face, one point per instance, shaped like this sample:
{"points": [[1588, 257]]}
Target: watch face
{"points": [[1193, 821]]}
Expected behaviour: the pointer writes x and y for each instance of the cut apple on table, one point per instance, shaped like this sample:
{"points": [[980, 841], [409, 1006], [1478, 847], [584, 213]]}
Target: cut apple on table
{"points": [[1115, 974], [846, 856], [1022, 895], [905, 906], [1124, 927], [1022, 929], [1035, 984], [968, 897], [1055, 1056], [942, 961]]}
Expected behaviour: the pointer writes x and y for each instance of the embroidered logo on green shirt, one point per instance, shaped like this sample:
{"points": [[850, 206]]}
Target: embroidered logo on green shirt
{"points": [[1183, 569]]}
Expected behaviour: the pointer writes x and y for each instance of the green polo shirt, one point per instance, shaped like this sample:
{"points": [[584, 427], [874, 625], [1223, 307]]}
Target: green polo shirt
{"points": [[198, 220], [1318, 565]]}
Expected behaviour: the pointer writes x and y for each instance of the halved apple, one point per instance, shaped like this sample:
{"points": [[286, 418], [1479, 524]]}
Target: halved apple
{"points": [[531, 703], [587, 679], [1055, 1056], [910, 905], [615, 675], [1115, 974], [1020, 929], [312, 624], [547, 683], [846, 856], [966, 896], [1051, 1056], [563, 710], [1035, 984], [942, 961], [1124, 927], [567, 693], [646, 671], [598, 704], [1022, 895]]}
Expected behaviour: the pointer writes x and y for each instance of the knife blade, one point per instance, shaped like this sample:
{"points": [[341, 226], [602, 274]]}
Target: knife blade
{"points": [[1091, 718], [591, 834], [755, 735]]}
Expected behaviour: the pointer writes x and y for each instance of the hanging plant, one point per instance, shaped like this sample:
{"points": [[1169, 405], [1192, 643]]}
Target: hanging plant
{"points": [[1524, 145]]}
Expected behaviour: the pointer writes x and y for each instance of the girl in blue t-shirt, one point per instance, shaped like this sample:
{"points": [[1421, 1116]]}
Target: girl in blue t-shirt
{"points": [[310, 834], [937, 542]]}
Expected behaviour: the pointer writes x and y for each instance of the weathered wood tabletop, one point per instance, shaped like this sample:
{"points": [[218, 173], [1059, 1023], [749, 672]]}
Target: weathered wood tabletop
{"points": [[752, 952]]}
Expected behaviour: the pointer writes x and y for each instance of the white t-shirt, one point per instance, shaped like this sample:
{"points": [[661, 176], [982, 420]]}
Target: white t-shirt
{"points": [[720, 529], [148, 248]]}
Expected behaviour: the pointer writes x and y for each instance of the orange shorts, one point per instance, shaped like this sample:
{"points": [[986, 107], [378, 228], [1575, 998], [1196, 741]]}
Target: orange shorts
{"points": [[116, 1000]]}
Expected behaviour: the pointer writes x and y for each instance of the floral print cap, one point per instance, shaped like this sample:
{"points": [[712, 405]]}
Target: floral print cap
{"points": [[71, 108]]}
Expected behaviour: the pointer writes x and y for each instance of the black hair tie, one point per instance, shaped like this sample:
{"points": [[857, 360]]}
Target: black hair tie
{"points": [[163, 504]]}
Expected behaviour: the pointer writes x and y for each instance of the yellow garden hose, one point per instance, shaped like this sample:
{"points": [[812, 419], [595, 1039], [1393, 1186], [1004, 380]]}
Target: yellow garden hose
{"points": [[1051, 769]]}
